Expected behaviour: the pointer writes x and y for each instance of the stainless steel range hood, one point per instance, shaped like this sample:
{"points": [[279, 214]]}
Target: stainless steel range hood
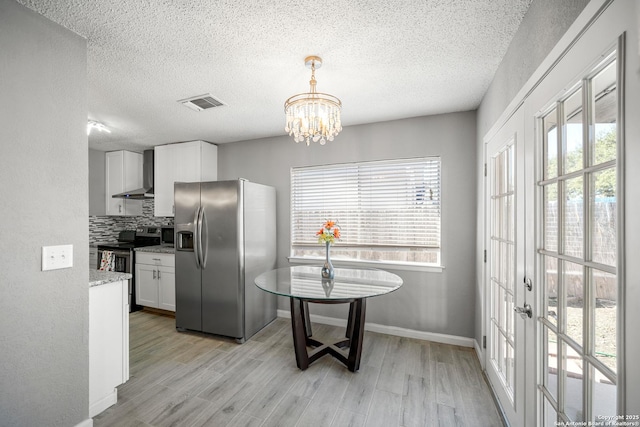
{"points": [[146, 192]]}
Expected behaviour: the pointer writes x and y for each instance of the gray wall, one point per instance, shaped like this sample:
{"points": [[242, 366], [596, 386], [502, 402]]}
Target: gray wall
{"points": [[44, 351], [431, 302], [97, 187], [542, 27], [544, 24]]}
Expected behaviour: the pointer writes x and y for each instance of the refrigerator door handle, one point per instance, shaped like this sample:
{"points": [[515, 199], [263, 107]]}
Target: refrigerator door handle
{"points": [[200, 234], [196, 237], [204, 239]]}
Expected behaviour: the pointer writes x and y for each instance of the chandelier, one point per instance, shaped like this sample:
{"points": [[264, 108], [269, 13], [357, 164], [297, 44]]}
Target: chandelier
{"points": [[313, 116]]}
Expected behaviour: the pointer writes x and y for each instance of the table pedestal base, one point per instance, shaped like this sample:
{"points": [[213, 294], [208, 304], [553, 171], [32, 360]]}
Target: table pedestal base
{"points": [[302, 336]]}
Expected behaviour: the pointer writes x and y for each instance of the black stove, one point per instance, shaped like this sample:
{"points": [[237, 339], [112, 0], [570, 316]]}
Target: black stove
{"points": [[119, 245], [130, 239]]}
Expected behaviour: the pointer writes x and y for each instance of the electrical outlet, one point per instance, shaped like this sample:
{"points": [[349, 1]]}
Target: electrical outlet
{"points": [[56, 257]]}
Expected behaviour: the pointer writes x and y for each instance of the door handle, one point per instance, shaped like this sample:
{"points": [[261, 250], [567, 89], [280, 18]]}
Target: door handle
{"points": [[524, 311], [158, 274], [204, 239], [200, 237], [154, 275], [196, 237]]}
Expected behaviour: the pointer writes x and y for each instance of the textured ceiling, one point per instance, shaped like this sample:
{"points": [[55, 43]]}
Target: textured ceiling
{"points": [[384, 59]]}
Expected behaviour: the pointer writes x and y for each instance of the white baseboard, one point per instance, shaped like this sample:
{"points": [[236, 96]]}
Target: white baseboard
{"points": [[86, 423], [109, 400], [479, 353], [391, 330]]}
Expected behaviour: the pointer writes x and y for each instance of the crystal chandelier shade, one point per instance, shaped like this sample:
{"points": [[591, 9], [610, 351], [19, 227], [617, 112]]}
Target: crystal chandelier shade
{"points": [[313, 116]]}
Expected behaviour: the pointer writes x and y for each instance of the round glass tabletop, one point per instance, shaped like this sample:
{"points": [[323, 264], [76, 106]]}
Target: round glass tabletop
{"points": [[306, 283]]}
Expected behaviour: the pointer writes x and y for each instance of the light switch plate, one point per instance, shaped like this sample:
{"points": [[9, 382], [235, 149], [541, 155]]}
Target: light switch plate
{"points": [[56, 257]]}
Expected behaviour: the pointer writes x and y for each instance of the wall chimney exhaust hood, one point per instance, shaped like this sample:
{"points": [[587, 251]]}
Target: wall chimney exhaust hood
{"points": [[146, 192]]}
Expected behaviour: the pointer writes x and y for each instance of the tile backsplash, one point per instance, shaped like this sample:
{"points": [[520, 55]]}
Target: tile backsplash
{"points": [[106, 228]]}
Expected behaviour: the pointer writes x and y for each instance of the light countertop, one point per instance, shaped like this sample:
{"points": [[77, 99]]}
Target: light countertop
{"points": [[158, 249], [97, 277]]}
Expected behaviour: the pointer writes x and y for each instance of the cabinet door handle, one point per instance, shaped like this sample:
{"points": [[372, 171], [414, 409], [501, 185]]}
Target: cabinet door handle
{"points": [[119, 208], [158, 274], [154, 274]]}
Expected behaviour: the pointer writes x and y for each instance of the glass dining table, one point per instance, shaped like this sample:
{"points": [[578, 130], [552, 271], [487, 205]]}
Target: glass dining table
{"points": [[304, 285]]}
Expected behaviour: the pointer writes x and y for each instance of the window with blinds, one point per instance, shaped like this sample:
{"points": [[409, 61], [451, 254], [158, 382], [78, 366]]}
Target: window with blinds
{"points": [[388, 211]]}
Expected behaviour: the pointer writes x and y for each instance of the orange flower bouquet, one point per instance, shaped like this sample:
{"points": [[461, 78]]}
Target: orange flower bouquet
{"points": [[329, 232]]}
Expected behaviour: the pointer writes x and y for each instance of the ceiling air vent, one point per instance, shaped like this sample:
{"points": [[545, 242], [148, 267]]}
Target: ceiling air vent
{"points": [[201, 102]]}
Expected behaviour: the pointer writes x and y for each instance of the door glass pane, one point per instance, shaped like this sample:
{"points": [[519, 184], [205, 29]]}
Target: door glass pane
{"points": [[604, 397], [550, 415], [551, 374], [510, 205], [510, 269], [495, 298], [504, 250], [509, 314], [511, 173], [573, 280], [499, 218], [496, 219], [603, 211], [551, 217], [551, 288], [573, 377], [573, 223], [495, 356], [510, 378], [495, 260], [501, 298], [573, 133], [605, 330], [500, 355], [550, 125], [605, 99], [499, 174]]}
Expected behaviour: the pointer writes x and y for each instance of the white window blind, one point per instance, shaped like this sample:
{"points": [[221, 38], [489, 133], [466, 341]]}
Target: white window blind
{"points": [[387, 210]]}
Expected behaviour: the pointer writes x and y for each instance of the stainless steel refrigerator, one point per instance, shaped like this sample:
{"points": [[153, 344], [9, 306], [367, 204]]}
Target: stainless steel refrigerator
{"points": [[225, 237]]}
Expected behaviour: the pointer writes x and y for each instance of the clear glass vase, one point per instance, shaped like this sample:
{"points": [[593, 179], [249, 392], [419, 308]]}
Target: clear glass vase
{"points": [[327, 269]]}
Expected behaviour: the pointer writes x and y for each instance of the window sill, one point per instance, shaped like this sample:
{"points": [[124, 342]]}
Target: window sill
{"points": [[373, 264]]}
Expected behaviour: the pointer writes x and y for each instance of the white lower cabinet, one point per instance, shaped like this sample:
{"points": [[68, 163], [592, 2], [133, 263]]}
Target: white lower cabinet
{"points": [[156, 280], [108, 343]]}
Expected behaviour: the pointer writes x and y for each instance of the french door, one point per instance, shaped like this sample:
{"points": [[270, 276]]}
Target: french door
{"points": [[510, 316], [577, 250], [558, 199], [552, 239]]}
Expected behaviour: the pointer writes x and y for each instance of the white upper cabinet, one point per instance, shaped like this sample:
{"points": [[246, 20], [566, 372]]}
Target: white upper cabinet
{"points": [[123, 171], [193, 161]]}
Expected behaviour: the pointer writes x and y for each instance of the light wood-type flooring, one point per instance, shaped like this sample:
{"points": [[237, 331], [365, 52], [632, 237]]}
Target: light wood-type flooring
{"points": [[191, 379]]}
